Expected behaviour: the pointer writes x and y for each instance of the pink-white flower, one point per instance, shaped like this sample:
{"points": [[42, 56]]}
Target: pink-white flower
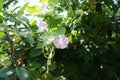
{"points": [[44, 9], [61, 42], [42, 25]]}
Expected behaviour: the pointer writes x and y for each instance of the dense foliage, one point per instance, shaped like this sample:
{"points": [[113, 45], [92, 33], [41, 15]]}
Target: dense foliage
{"points": [[34, 40]]}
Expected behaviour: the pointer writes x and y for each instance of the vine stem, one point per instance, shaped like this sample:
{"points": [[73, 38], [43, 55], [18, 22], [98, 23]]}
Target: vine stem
{"points": [[47, 68], [49, 62], [49, 57]]}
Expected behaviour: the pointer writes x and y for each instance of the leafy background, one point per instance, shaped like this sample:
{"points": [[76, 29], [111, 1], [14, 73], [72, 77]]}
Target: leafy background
{"points": [[93, 29]]}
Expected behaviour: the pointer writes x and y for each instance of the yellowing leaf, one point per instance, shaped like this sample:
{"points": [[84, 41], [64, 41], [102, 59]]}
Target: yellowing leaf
{"points": [[33, 9], [43, 1], [1, 14]]}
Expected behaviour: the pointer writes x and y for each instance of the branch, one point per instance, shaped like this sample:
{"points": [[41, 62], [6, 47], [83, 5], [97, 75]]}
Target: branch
{"points": [[10, 44]]}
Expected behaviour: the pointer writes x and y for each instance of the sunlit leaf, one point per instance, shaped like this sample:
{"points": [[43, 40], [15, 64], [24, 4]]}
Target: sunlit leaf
{"points": [[1, 17], [5, 60], [21, 11], [53, 2], [33, 9], [43, 1], [2, 34], [1, 4]]}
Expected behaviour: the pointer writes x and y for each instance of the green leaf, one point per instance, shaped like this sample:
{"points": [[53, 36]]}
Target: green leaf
{"points": [[2, 34], [21, 33], [60, 78], [42, 68], [1, 4], [33, 9], [53, 2], [5, 61], [3, 26], [35, 75], [22, 73], [2, 18], [6, 71], [25, 19], [52, 66], [47, 38], [35, 53], [16, 8], [21, 11], [44, 37], [40, 45], [48, 76], [30, 39], [60, 30]]}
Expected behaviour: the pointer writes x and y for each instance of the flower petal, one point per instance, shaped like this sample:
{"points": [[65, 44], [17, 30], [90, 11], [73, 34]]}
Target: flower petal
{"points": [[61, 42], [42, 25]]}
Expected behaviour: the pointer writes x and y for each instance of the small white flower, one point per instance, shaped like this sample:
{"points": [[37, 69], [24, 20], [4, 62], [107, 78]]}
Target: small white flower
{"points": [[42, 25], [44, 9], [61, 42]]}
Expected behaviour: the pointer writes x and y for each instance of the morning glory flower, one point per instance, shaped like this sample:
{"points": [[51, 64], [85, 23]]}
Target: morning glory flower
{"points": [[42, 25], [61, 42]]}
